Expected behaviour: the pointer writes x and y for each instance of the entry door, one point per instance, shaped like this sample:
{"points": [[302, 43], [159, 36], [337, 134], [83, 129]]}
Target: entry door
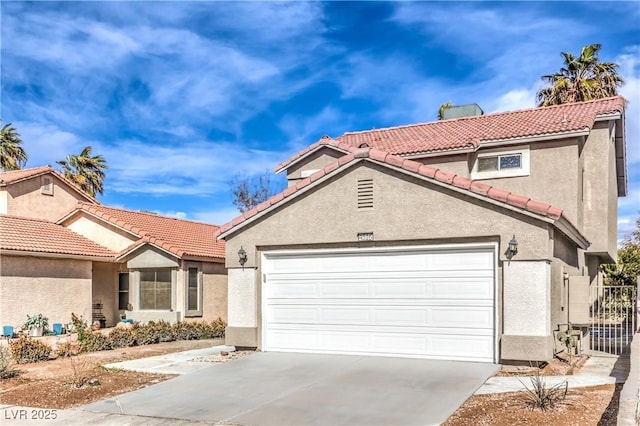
{"points": [[437, 304]]}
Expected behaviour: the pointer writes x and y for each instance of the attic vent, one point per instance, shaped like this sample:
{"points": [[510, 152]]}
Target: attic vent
{"points": [[47, 186], [365, 193]]}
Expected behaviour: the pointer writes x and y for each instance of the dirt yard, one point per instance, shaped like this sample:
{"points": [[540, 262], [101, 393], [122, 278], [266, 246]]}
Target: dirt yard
{"points": [[54, 384]]}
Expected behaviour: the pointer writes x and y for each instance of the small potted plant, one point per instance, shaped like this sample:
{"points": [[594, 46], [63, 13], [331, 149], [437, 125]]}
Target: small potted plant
{"points": [[36, 325]]}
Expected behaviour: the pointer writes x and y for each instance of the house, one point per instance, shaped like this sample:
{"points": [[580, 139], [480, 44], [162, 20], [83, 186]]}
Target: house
{"points": [[62, 252], [475, 238]]}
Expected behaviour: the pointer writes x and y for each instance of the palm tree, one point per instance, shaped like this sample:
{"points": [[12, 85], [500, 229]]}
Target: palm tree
{"points": [[12, 155], [85, 171], [581, 79]]}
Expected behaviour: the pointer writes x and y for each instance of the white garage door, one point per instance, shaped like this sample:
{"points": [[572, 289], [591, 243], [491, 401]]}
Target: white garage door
{"points": [[415, 303]]}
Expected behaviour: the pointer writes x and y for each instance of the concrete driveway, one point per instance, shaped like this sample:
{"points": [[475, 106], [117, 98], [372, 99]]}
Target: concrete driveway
{"points": [[308, 389]]}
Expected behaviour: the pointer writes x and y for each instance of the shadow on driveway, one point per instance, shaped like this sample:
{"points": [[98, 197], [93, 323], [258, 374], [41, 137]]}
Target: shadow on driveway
{"points": [[309, 389]]}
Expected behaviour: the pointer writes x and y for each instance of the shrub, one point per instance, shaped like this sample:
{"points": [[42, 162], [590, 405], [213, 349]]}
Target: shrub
{"points": [[186, 330], [67, 349], [210, 330], [543, 397], [6, 363], [218, 327], [122, 337], [164, 332], [80, 326], [145, 334], [96, 341], [26, 350]]}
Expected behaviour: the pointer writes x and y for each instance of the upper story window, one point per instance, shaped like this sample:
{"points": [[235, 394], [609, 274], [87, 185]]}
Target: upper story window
{"points": [[501, 163]]}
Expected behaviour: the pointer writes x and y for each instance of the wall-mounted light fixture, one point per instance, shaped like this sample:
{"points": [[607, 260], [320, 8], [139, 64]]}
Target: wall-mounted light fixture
{"points": [[512, 250], [242, 257]]}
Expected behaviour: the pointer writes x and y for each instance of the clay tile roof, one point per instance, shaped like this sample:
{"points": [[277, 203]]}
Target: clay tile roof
{"points": [[178, 236], [465, 184], [41, 236], [13, 176], [470, 132]]}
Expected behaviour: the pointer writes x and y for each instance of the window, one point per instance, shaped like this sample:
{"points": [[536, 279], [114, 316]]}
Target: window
{"points": [[123, 291], [47, 186], [498, 164], [155, 289], [193, 292]]}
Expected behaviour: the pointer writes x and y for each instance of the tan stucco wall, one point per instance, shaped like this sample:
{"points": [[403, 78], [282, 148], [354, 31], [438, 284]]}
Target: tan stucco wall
{"points": [[600, 190], [316, 161], [214, 291], [3, 200], [404, 210], [105, 290], [25, 199], [53, 287], [102, 233]]}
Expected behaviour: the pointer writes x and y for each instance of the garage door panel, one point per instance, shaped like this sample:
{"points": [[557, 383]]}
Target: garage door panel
{"points": [[432, 304], [401, 287]]}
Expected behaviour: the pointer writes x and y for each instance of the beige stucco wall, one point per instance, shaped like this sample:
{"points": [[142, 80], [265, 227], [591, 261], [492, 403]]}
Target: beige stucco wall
{"points": [[214, 291], [316, 161], [105, 290], [3, 200], [406, 211], [25, 199], [600, 190], [53, 287], [101, 232]]}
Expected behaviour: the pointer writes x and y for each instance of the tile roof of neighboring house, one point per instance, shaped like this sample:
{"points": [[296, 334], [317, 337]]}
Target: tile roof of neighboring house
{"points": [[178, 236], [41, 236], [15, 176], [472, 132], [483, 190]]}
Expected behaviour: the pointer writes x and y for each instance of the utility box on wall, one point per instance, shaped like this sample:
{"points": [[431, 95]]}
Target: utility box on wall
{"points": [[579, 300]]}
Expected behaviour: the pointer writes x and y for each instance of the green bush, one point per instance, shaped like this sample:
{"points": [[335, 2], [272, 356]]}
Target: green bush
{"points": [[26, 350], [164, 331], [80, 326], [210, 330], [96, 341], [187, 330], [145, 334], [122, 337], [6, 363], [67, 349]]}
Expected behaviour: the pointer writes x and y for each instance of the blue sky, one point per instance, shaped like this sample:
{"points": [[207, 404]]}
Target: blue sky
{"points": [[181, 96]]}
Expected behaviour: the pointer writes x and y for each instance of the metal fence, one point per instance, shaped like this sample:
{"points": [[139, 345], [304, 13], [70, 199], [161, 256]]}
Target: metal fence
{"points": [[614, 318]]}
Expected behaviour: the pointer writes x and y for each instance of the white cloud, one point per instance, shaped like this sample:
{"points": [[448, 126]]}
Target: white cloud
{"points": [[217, 217]]}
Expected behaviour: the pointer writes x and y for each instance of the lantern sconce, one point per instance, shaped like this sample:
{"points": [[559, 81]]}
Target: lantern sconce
{"points": [[512, 250], [242, 257]]}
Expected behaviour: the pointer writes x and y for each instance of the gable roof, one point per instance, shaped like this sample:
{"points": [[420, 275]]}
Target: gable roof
{"points": [[492, 194], [470, 133], [21, 234], [179, 237], [14, 176]]}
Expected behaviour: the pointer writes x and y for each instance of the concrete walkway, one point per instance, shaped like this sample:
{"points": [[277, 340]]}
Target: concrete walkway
{"points": [[596, 371]]}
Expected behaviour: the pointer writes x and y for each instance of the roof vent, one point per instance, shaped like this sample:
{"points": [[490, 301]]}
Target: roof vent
{"points": [[469, 110], [365, 193]]}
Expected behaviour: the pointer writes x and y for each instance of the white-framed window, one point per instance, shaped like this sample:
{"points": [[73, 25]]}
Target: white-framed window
{"points": [[156, 289], [193, 290], [46, 187], [499, 163]]}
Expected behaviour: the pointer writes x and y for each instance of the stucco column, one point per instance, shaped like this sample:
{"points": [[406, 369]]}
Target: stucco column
{"points": [[242, 328], [526, 310]]}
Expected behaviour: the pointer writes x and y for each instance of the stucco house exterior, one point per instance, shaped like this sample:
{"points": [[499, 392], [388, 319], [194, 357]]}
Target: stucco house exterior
{"points": [[396, 241], [62, 252]]}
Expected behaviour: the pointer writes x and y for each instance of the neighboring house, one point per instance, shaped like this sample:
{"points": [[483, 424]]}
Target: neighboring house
{"points": [[63, 252], [396, 241]]}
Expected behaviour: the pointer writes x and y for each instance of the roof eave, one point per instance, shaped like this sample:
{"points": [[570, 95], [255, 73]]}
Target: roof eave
{"points": [[285, 165], [124, 254], [79, 210], [57, 255], [535, 138]]}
